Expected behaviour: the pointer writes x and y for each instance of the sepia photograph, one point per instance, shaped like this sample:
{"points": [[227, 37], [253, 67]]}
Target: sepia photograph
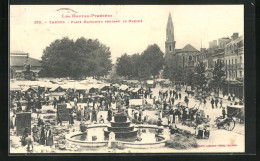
{"points": [[126, 79]]}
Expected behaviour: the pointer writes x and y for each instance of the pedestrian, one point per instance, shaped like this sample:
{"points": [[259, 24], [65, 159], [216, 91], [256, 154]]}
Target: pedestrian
{"points": [[35, 131], [180, 95], [177, 114], [204, 101], [109, 114], [43, 136], [140, 117], [13, 123], [59, 121], [221, 102], [216, 102], [75, 101], [71, 118], [54, 102], [101, 120], [29, 143], [186, 100], [94, 115], [176, 96], [40, 121], [49, 137], [172, 100], [184, 115], [223, 112], [170, 119], [159, 122], [135, 116], [198, 120], [82, 114], [212, 103]]}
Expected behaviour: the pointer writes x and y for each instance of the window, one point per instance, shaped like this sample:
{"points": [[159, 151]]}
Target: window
{"points": [[170, 47], [236, 62], [190, 58], [240, 74], [240, 59]]}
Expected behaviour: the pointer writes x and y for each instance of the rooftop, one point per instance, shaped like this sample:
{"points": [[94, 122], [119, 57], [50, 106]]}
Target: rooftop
{"points": [[189, 48], [20, 60]]}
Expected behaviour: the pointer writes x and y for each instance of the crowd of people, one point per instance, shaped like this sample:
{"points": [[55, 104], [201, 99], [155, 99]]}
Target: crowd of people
{"points": [[86, 107]]}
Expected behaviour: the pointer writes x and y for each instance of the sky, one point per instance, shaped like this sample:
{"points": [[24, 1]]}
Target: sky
{"points": [[193, 24]]}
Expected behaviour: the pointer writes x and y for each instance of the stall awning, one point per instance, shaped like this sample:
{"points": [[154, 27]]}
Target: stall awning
{"points": [[15, 88], [54, 88], [123, 87], [150, 82], [57, 94]]}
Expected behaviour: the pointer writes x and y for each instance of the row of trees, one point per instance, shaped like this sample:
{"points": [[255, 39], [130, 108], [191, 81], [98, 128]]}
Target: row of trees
{"points": [[197, 77], [141, 66], [84, 57], [87, 57]]}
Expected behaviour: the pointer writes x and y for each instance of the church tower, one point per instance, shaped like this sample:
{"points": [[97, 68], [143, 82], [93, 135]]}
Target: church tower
{"points": [[169, 43]]}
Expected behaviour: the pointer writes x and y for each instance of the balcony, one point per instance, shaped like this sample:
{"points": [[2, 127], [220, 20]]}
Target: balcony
{"points": [[240, 66]]}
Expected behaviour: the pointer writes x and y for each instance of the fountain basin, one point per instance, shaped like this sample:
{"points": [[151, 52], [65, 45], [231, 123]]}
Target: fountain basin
{"points": [[120, 124], [121, 133], [148, 136]]}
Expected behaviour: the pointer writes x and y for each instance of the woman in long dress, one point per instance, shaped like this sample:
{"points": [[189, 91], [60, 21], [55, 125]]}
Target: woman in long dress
{"points": [[71, 120], [49, 137], [43, 136], [94, 115], [109, 115]]}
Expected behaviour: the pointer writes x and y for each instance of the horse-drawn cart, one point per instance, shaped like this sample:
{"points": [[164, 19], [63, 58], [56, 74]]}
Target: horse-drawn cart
{"points": [[237, 112], [234, 113]]}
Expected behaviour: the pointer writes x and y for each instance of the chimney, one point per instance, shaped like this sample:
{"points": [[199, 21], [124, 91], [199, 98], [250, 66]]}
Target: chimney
{"points": [[234, 36]]}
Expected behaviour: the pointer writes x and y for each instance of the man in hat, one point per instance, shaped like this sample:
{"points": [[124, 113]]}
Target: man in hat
{"points": [[82, 114], [223, 112], [212, 103], [221, 102], [109, 114], [43, 135], [177, 114], [216, 102], [49, 136], [170, 121], [35, 131]]}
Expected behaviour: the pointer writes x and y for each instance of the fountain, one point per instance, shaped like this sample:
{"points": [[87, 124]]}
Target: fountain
{"points": [[121, 127], [124, 134]]}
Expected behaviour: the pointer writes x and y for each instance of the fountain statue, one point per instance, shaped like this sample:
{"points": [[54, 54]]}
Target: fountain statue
{"points": [[121, 126], [27, 73]]}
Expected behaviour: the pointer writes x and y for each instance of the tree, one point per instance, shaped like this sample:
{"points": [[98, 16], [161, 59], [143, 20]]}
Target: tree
{"points": [[124, 65], [153, 60], [200, 79], [59, 59], [218, 76], [66, 58], [189, 76], [143, 66]]}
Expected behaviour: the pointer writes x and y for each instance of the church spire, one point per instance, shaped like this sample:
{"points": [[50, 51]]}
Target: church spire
{"points": [[169, 29], [169, 43]]}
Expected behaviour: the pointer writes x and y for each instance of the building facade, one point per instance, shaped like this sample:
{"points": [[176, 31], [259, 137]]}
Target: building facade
{"points": [[178, 58], [17, 64], [234, 66]]}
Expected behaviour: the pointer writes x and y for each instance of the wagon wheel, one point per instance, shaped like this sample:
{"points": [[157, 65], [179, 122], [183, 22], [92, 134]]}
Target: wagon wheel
{"points": [[230, 125]]}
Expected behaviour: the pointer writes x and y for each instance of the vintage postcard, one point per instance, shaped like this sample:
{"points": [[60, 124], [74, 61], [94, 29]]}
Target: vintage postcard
{"points": [[126, 79]]}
